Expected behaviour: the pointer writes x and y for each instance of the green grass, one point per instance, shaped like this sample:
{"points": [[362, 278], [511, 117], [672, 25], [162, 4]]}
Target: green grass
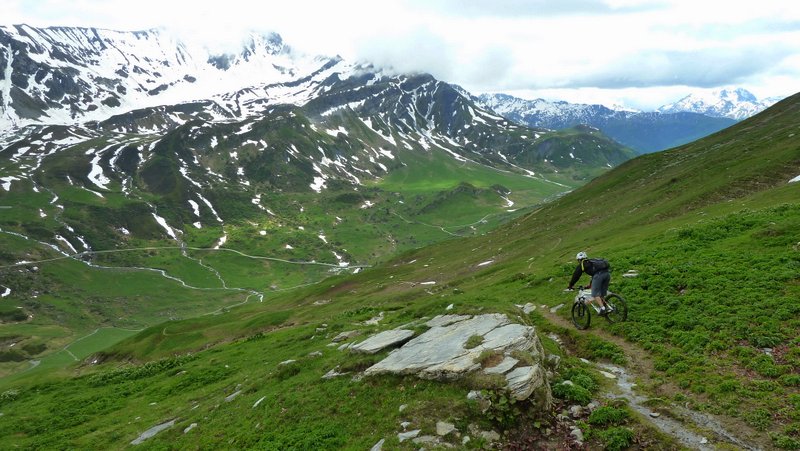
{"points": [[711, 228], [435, 171]]}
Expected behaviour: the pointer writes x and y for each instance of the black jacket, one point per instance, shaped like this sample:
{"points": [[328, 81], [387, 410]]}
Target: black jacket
{"points": [[588, 266]]}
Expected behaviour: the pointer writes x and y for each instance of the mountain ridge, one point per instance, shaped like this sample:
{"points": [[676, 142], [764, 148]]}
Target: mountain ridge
{"points": [[643, 131]]}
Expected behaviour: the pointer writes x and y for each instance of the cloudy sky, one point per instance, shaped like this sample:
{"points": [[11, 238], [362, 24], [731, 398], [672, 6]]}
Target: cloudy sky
{"points": [[637, 53]]}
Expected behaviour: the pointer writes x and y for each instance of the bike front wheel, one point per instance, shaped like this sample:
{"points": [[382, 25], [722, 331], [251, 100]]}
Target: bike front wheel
{"points": [[581, 317], [619, 309]]}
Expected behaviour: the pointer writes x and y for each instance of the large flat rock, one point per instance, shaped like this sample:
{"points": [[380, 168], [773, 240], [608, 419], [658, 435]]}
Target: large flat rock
{"points": [[442, 352]]}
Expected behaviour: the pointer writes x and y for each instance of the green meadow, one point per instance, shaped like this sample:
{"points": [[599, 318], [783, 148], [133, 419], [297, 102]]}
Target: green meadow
{"points": [[710, 228]]}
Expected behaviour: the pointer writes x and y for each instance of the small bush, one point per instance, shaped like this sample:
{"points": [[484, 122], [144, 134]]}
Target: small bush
{"points": [[8, 396], [616, 438], [599, 349], [581, 377], [760, 419], [607, 415], [503, 409], [790, 380], [572, 393], [784, 441]]}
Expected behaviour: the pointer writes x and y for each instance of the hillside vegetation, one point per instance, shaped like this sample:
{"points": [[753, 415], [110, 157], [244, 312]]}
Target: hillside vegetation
{"points": [[711, 228]]}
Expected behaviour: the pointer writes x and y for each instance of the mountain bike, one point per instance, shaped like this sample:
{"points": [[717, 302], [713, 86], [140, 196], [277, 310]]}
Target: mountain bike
{"points": [[582, 310]]}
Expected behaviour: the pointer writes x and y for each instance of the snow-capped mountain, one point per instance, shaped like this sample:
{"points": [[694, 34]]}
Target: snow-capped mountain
{"points": [[150, 83], [64, 75], [642, 131], [190, 140], [733, 103]]}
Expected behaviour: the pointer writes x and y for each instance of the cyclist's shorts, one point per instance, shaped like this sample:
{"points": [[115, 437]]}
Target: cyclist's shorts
{"points": [[600, 282]]}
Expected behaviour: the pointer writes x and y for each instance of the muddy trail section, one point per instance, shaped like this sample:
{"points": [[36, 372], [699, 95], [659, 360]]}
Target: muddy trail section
{"points": [[635, 383]]}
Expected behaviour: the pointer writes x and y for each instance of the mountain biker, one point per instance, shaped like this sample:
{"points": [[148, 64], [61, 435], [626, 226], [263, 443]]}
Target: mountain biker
{"points": [[598, 268]]}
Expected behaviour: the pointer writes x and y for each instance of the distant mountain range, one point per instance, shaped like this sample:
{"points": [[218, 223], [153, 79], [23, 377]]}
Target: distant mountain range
{"points": [[736, 103], [687, 120]]}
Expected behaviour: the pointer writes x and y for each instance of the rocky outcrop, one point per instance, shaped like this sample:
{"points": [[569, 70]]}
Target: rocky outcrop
{"points": [[451, 348]]}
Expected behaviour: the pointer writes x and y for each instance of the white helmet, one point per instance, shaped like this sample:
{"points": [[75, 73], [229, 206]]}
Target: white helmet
{"points": [[581, 255]]}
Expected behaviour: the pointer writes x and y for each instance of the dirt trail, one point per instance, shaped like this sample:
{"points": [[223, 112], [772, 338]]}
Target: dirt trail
{"points": [[694, 429]]}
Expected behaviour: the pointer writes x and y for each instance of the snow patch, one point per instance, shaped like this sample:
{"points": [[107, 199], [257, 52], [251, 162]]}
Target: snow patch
{"points": [[195, 207], [319, 183], [163, 223], [6, 182], [336, 132], [221, 241], [65, 241]]}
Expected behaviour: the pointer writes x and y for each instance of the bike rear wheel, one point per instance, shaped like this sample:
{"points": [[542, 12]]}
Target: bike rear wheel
{"points": [[581, 317], [619, 309]]}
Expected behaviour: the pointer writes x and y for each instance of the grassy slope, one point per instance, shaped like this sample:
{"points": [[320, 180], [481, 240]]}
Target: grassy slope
{"points": [[711, 227], [66, 303]]}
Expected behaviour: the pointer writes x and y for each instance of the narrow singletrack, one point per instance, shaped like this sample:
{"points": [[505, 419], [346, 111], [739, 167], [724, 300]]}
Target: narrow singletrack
{"points": [[639, 368]]}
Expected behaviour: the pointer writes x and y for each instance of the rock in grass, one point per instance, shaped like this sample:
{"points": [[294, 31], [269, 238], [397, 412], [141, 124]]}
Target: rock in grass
{"points": [[259, 401], [403, 436], [333, 373], [233, 396], [577, 434], [443, 428], [490, 436], [153, 431], [346, 335], [426, 440], [378, 446]]}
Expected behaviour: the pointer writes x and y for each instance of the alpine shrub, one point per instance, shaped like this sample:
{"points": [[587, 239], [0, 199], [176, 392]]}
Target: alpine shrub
{"points": [[616, 438], [608, 415]]}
